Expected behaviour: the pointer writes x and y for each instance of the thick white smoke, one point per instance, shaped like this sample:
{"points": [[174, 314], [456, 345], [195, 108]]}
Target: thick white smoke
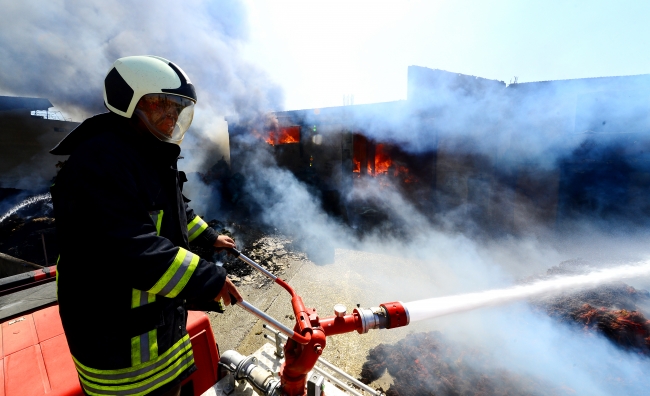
{"points": [[523, 341], [61, 50]]}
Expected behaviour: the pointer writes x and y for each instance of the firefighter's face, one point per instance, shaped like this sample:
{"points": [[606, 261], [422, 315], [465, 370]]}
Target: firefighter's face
{"points": [[166, 116], [161, 111]]}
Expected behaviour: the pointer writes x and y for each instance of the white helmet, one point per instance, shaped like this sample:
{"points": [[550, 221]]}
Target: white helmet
{"points": [[155, 90]]}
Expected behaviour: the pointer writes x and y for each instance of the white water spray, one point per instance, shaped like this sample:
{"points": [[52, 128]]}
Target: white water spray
{"points": [[27, 202], [440, 306]]}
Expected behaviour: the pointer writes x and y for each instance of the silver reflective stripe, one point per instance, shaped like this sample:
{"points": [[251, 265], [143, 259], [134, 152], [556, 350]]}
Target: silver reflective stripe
{"points": [[144, 298], [196, 227], [140, 298], [178, 274], [144, 347], [172, 355], [157, 382]]}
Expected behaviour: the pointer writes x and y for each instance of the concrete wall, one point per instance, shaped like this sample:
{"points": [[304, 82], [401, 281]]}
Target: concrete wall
{"points": [[12, 266], [25, 141]]}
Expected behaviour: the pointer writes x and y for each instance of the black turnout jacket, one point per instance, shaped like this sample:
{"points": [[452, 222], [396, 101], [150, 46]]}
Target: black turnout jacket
{"points": [[125, 269]]}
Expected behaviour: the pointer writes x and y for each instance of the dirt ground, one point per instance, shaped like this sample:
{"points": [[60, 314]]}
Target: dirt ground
{"points": [[345, 281]]}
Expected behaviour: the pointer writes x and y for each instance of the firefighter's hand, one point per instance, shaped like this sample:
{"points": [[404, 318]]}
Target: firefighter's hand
{"points": [[224, 241], [227, 290]]}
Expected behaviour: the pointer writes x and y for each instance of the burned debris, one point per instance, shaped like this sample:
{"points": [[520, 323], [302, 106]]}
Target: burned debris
{"points": [[274, 253], [430, 364], [628, 329], [615, 310], [271, 250]]}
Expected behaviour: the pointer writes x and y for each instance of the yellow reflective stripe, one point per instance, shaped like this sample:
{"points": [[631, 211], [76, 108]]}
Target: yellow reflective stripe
{"points": [[135, 298], [177, 275], [194, 222], [145, 346], [141, 379], [140, 298], [135, 351], [138, 372], [142, 387], [153, 344], [56, 277], [157, 219], [195, 228], [184, 278], [159, 222], [169, 274]]}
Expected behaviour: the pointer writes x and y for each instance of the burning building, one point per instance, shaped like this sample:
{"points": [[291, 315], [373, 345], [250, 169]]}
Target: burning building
{"points": [[511, 157]]}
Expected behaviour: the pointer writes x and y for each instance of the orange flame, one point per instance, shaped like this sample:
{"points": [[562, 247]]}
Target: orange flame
{"points": [[381, 164], [269, 138], [382, 160], [287, 135]]}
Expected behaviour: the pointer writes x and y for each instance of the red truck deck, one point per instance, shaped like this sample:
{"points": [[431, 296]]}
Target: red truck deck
{"points": [[36, 360]]}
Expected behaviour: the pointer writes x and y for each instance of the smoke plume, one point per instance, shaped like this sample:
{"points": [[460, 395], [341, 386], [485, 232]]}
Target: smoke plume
{"points": [[515, 129], [62, 50]]}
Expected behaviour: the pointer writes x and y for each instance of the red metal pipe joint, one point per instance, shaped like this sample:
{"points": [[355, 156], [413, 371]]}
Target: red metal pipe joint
{"points": [[300, 359], [308, 340]]}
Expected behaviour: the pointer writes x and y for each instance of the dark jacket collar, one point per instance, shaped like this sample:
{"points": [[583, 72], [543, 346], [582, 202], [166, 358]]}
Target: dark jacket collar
{"points": [[160, 153]]}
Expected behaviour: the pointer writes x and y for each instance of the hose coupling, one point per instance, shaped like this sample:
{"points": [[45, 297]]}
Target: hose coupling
{"points": [[386, 316], [246, 368]]}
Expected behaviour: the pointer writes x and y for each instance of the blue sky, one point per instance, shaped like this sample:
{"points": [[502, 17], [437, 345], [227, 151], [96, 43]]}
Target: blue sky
{"points": [[319, 51]]}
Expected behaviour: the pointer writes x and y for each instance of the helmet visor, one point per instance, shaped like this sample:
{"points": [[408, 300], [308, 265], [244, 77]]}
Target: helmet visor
{"points": [[166, 116]]}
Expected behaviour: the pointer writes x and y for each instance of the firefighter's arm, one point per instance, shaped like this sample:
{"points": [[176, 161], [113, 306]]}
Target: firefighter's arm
{"points": [[228, 293], [199, 233], [224, 241], [144, 260]]}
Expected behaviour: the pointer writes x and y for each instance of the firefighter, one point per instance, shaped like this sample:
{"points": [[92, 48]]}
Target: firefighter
{"points": [[124, 228]]}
